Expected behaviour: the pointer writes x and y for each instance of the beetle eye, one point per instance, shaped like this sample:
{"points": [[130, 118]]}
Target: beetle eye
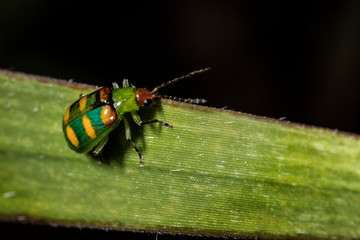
{"points": [[147, 102]]}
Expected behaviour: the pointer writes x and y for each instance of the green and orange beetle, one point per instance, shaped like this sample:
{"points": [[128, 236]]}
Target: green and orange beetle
{"points": [[88, 121]]}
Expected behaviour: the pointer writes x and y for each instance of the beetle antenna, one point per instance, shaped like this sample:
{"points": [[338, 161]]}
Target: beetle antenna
{"points": [[185, 100], [180, 78]]}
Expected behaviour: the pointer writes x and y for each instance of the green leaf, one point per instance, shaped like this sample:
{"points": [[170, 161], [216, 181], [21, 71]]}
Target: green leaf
{"points": [[217, 172]]}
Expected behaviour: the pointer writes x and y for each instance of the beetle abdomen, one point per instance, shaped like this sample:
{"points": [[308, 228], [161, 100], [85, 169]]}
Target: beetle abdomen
{"points": [[87, 130], [87, 103]]}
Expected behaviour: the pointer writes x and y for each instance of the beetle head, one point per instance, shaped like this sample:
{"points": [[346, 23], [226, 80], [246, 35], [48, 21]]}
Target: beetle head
{"points": [[144, 97]]}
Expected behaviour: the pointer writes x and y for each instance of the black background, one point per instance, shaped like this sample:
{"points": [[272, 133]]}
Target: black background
{"points": [[293, 59]]}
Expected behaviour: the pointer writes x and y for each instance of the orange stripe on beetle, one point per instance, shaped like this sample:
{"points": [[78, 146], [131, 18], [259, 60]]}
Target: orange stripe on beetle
{"points": [[82, 103], [72, 136], [108, 115], [89, 129], [66, 115]]}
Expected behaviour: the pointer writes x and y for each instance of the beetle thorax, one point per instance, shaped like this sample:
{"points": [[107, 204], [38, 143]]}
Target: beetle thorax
{"points": [[125, 100]]}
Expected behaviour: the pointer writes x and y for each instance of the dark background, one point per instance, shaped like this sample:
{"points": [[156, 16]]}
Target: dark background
{"points": [[293, 59]]}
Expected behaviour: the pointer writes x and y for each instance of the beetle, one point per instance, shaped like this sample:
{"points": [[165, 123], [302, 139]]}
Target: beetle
{"points": [[89, 120]]}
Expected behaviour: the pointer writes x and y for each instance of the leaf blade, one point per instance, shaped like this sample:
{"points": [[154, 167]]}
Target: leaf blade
{"points": [[216, 172]]}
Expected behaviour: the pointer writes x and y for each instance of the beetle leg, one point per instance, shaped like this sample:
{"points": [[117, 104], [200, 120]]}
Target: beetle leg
{"points": [[156, 121], [137, 119], [97, 150], [128, 138], [115, 85], [125, 83]]}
